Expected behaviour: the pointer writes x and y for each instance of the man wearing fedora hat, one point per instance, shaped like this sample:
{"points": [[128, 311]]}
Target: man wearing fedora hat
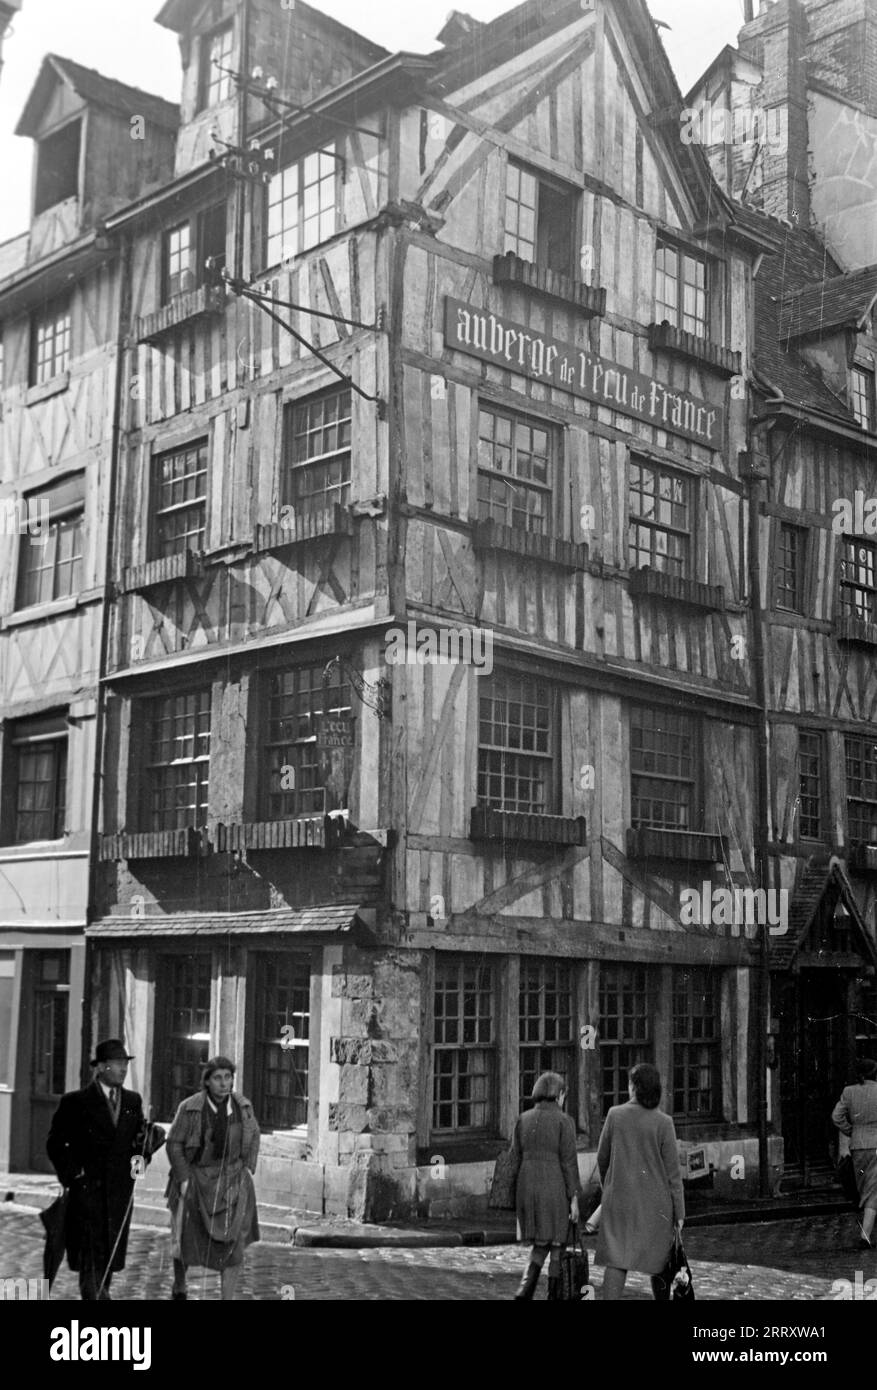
{"points": [[96, 1134]]}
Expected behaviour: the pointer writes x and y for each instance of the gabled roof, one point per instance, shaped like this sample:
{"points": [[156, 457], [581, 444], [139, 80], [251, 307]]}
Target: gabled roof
{"points": [[800, 260], [841, 301], [806, 897], [177, 15], [95, 89]]}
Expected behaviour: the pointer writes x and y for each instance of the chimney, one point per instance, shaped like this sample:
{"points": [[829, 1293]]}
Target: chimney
{"points": [[776, 40]]}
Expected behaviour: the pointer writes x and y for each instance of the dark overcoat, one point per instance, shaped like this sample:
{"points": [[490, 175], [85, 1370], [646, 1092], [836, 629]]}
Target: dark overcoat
{"points": [[544, 1145], [92, 1156]]}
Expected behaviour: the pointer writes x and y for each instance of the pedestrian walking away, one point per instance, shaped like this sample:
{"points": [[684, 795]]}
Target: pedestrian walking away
{"points": [[213, 1146], [856, 1116], [94, 1136], [544, 1145], [643, 1202]]}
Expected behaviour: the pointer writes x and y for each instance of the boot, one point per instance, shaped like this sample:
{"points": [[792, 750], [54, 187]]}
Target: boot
{"points": [[553, 1289], [527, 1286]]}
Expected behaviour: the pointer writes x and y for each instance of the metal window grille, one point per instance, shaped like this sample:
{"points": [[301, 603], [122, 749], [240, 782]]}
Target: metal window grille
{"points": [[862, 396], [184, 981], [178, 272], [179, 761], [790, 568], [41, 790], [516, 752], [663, 769], [319, 780], [302, 205], [545, 1027], [660, 506], [515, 457], [179, 490], [681, 290], [858, 579], [464, 1046], [216, 85], [626, 1012], [861, 768], [51, 344], [810, 780], [318, 436], [695, 1043], [283, 1013]]}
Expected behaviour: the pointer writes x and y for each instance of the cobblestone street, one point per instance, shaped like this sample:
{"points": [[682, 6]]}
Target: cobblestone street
{"points": [[797, 1259]]}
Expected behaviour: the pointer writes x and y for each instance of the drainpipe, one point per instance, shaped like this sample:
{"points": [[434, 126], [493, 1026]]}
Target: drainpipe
{"points": [[757, 495], [241, 141], [103, 650]]}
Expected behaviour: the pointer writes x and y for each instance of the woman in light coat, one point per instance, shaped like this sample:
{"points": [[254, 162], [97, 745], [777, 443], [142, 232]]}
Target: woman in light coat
{"points": [[544, 1147], [212, 1147], [856, 1116], [643, 1203]]}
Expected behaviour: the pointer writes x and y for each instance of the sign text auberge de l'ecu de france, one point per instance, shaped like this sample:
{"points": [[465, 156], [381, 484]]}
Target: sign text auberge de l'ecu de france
{"points": [[518, 349]]}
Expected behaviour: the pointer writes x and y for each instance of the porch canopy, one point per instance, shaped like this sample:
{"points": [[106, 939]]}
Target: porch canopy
{"points": [[337, 920]]}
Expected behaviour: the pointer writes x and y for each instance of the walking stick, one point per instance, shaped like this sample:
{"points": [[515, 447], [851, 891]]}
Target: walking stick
{"points": [[130, 1205]]}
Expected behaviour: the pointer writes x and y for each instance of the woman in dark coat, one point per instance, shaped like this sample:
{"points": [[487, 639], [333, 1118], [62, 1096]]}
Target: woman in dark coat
{"points": [[642, 1186], [856, 1116], [212, 1147], [544, 1146]]}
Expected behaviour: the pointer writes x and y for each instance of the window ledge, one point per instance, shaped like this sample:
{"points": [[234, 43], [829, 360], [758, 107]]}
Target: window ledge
{"points": [[655, 584], [301, 832], [304, 526], [676, 845], [194, 304], [589, 300], [39, 612], [856, 631], [153, 844], [163, 571], [494, 535], [486, 823], [58, 383], [862, 858], [663, 337]]}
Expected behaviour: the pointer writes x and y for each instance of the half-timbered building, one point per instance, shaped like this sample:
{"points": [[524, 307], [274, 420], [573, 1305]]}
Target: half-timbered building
{"points": [[59, 410], [431, 719], [787, 120]]}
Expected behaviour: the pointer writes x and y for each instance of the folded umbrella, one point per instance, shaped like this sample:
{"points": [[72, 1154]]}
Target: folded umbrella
{"points": [[54, 1219]]}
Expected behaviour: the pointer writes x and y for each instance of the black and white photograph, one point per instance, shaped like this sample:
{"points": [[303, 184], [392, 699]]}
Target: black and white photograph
{"points": [[438, 665]]}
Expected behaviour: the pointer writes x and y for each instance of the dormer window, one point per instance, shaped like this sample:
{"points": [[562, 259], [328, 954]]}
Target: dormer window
{"points": [[215, 85], [862, 396], [681, 290], [539, 219], [57, 167]]}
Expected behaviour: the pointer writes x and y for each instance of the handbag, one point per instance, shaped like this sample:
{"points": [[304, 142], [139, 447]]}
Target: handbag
{"points": [[503, 1188], [573, 1266], [846, 1172], [676, 1274]]}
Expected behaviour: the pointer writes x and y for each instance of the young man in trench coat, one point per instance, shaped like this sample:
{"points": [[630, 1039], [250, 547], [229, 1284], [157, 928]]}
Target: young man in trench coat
{"points": [[95, 1134]]}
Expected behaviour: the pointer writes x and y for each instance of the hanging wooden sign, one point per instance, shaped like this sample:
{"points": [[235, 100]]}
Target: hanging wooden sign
{"points": [[334, 731]]}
